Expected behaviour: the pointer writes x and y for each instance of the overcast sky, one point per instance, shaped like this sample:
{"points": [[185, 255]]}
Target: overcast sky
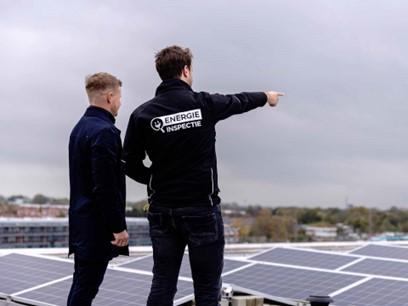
{"points": [[340, 131]]}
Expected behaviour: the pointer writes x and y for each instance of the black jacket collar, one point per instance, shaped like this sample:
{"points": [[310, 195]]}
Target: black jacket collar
{"points": [[172, 84], [95, 111]]}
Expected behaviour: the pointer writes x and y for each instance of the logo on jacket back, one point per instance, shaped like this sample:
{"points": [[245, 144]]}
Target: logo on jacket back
{"points": [[178, 121]]}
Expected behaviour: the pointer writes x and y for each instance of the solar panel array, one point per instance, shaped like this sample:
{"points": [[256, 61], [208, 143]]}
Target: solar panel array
{"points": [[380, 275], [288, 273], [37, 281], [373, 275]]}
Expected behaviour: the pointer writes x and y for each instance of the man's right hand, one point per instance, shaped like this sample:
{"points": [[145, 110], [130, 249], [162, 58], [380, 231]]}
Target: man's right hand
{"points": [[273, 97], [121, 239]]}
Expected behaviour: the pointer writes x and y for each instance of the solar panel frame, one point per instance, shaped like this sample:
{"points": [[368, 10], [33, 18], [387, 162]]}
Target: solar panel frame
{"points": [[260, 253], [111, 291], [305, 258], [266, 296], [356, 249], [380, 267], [382, 251], [30, 302]]}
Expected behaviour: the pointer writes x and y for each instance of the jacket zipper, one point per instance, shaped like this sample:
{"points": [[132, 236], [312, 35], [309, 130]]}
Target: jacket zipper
{"points": [[151, 188], [212, 187]]}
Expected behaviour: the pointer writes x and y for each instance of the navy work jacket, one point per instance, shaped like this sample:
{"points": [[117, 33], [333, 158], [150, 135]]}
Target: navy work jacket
{"points": [[98, 190]]}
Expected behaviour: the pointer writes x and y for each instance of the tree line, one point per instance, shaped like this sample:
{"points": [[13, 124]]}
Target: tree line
{"points": [[258, 223]]}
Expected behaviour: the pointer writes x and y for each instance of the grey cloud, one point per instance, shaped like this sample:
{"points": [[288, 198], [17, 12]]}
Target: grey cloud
{"points": [[338, 132]]}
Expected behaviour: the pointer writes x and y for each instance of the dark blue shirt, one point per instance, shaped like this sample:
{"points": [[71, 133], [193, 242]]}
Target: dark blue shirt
{"points": [[97, 180]]}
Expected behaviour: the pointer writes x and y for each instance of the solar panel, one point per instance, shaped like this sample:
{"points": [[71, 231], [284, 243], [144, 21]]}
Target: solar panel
{"points": [[375, 292], [118, 288], [293, 283], [146, 264], [19, 272], [375, 250], [231, 264], [314, 259], [380, 267]]}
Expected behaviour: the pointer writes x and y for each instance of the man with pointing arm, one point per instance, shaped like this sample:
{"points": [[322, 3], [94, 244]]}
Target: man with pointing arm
{"points": [[177, 131]]}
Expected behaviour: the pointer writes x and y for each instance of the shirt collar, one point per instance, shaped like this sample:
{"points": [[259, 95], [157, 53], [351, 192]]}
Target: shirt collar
{"points": [[95, 111], [172, 84]]}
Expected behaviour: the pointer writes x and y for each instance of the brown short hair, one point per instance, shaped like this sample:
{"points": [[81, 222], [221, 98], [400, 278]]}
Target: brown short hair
{"points": [[171, 60], [101, 81]]}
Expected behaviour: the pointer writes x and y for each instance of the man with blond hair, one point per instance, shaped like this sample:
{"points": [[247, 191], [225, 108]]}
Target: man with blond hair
{"points": [[177, 131], [97, 225]]}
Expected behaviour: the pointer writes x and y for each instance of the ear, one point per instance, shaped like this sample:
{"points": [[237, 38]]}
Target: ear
{"points": [[186, 71], [109, 96]]}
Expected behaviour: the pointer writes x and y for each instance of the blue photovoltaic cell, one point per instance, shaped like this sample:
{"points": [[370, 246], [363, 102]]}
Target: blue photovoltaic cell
{"points": [[380, 267], [384, 251], [146, 264], [303, 258], [375, 292], [19, 272], [292, 283], [118, 288]]}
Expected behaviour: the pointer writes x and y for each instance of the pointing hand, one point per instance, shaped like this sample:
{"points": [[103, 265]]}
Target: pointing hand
{"points": [[273, 97]]}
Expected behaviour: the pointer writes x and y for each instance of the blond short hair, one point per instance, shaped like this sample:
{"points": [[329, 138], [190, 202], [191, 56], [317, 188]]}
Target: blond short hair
{"points": [[101, 81]]}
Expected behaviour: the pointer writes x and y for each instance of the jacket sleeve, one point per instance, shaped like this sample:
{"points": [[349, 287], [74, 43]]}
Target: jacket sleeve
{"points": [[224, 106], [134, 152], [105, 158]]}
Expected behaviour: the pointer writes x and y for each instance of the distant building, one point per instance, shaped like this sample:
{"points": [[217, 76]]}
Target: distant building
{"points": [[53, 232], [42, 210], [18, 199], [389, 236], [340, 232], [321, 233]]}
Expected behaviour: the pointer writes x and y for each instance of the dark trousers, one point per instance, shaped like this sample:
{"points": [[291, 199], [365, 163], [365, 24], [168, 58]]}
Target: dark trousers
{"points": [[88, 276], [202, 230]]}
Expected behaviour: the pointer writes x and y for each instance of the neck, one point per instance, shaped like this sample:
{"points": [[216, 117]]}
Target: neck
{"points": [[184, 79]]}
